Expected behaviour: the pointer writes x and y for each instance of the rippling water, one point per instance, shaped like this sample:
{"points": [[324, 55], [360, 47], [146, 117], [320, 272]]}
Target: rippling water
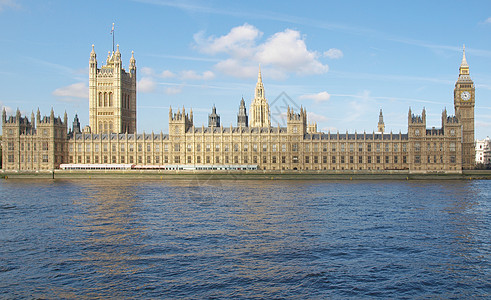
{"points": [[245, 239]]}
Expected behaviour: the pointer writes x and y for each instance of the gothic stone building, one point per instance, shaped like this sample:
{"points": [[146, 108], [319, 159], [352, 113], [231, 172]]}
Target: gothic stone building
{"points": [[45, 143]]}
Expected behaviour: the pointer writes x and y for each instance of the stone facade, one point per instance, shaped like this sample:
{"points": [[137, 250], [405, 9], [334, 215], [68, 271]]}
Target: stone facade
{"points": [[44, 144]]}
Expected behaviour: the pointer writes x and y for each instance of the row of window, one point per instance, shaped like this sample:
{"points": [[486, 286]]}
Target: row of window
{"points": [[245, 148], [245, 159]]}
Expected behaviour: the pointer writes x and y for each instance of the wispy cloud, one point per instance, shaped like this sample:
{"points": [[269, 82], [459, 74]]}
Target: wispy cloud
{"points": [[193, 75], [173, 90], [339, 27], [5, 4], [76, 90], [146, 85], [334, 53], [319, 97]]}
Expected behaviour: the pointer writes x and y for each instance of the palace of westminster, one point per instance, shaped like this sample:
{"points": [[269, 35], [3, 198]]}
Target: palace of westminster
{"points": [[47, 142]]}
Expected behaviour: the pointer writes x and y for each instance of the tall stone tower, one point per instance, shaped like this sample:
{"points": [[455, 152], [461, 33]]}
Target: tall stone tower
{"points": [[464, 101], [259, 107], [112, 95]]}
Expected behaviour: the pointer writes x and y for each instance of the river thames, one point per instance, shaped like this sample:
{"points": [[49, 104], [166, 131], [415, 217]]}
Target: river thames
{"points": [[245, 239]]}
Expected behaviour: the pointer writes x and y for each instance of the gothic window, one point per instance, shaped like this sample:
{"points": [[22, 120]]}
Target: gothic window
{"points": [[295, 147], [122, 147], [96, 148], [113, 147], [110, 99], [369, 159], [45, 158], [149, 148], [274, 159], [265, 147], [104, 147], [87, 148], [283, 159], [360, 159], [387, 147], [264, 159], [189, 159], [351, 147], [246, 147], [417, 147], [177, 147], [307, 147], [333, 159], [105, 99], [342, 159], [217, 148], [452, 147], [351, 159], [295, 159], [254, 147], [236, 148], [190, 148], [342, 147], [417, 159], [157, 148], [274, 147], [324, 147], [416, 132], [396, 147], [110, 126]]}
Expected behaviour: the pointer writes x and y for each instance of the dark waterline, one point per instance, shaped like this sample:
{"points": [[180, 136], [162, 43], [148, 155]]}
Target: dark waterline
{"points": [[245, 239]]}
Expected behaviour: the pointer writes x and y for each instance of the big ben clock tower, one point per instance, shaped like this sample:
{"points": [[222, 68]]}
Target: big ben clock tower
{"points": [[464, 101]]}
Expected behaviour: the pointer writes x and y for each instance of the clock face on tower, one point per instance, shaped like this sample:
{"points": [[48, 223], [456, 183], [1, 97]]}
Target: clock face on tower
{"points": [[465, 96]]}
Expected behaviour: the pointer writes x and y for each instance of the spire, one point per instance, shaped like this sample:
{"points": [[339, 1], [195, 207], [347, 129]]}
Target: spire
{"points": [[464, 61], [259, 77], [4, 115]]}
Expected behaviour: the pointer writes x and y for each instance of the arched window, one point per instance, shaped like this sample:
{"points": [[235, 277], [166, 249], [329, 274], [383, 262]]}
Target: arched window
{"points": [[100, 127], [100, 99], [105, 99], [110, 99], [110, 126]]}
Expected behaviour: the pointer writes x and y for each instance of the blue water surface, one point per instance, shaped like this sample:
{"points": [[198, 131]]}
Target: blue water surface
{"points": [[209, 239]]}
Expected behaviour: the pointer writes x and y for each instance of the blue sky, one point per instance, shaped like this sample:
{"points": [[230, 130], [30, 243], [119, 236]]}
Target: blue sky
{"points": [[342, 60]]}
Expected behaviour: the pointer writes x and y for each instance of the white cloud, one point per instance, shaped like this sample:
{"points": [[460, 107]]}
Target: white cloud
{"points": [[76, 90], [287, 51], [192, 75], [146, 85], [319, 97], [334, 53], [239, 42], [488, 20], [167, 74], [281, 53], [8, 109], [313, 117], [173, 90], [146, 71], [8, 4]]}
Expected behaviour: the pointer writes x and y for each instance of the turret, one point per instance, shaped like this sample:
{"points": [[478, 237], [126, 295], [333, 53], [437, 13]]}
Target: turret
{"points": [[38, 116], [381, 125], [213, 118], [4, 116], [132, 63], [242, 118]]}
